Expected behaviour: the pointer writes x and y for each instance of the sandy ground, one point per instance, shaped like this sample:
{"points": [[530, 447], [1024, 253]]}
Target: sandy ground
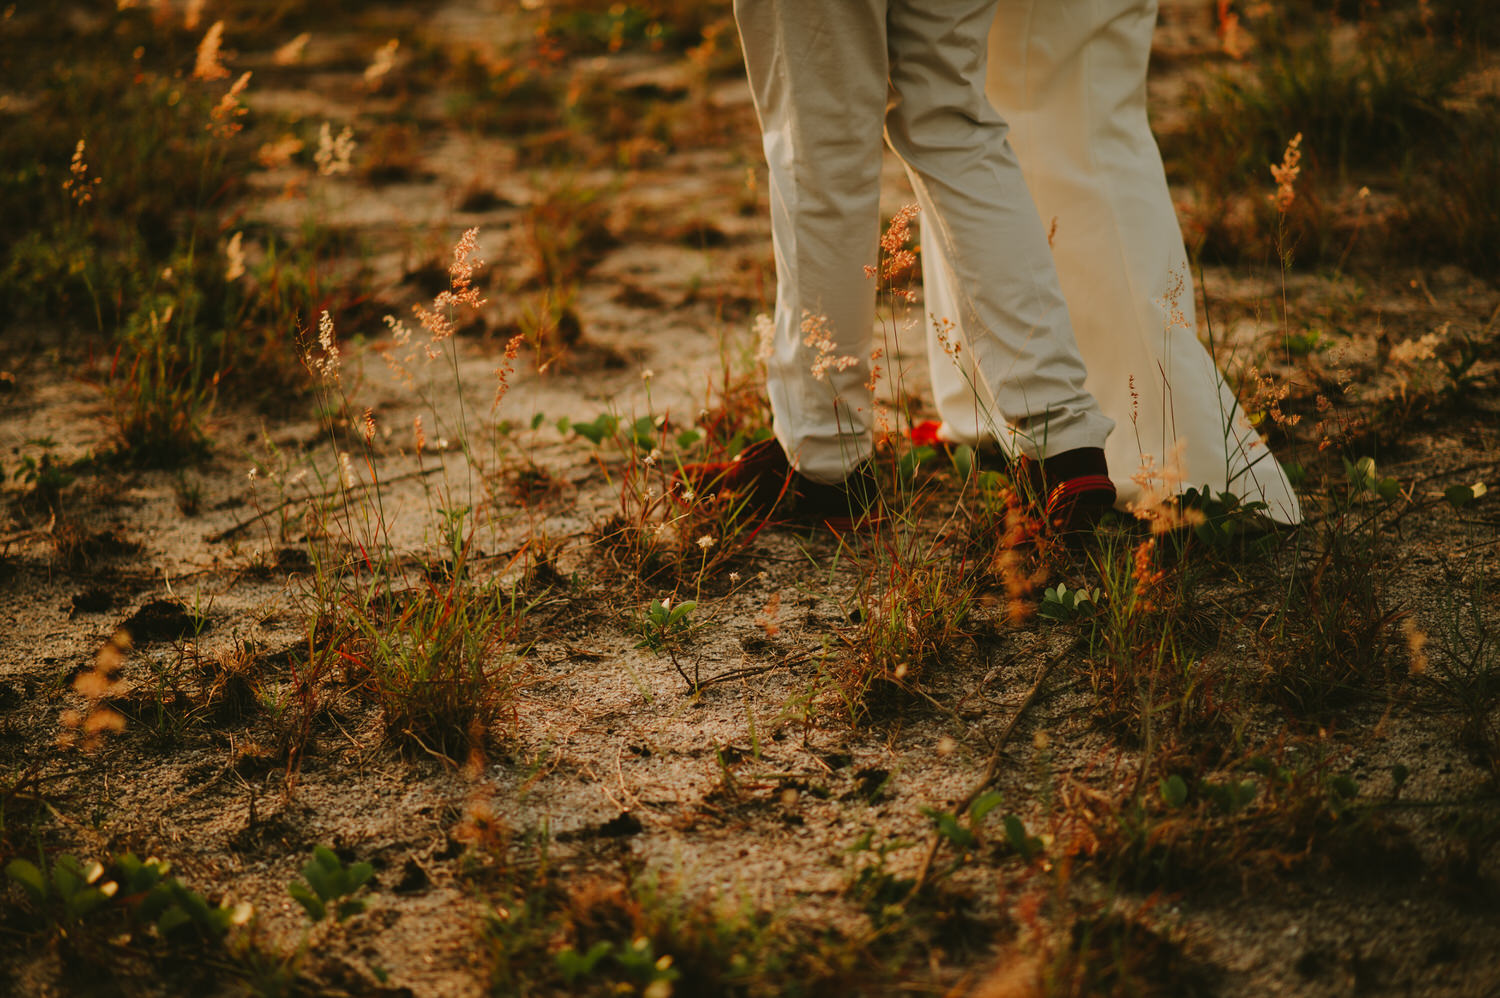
{"points": [[753, 788]]}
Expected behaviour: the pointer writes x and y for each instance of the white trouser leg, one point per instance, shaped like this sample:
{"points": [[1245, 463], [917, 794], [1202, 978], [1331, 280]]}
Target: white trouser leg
{"points": [[818, 74], [1071, 79], [976, 206], [818, 70]]}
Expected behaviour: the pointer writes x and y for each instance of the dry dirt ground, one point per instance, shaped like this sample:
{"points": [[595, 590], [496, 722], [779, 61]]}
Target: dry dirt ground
{"points": [[606, 768]]}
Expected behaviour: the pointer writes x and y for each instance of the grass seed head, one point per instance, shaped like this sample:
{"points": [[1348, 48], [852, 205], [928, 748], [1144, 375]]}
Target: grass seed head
{"points": [[383, 63], [290, 53], [234, 258], [224, 119], [1285, 174], [334, 154], [208, 66], [79, 185]]}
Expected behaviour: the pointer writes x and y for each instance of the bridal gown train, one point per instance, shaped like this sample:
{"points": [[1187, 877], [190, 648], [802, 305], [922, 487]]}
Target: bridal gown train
{"points": [[1070, 78]]}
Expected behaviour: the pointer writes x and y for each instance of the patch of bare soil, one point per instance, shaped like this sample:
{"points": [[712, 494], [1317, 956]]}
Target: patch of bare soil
{"points": [[609, 802]]}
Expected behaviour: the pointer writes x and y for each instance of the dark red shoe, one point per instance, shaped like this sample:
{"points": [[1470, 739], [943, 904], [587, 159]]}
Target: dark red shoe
{"points": [[855, 504], [763, 479], [760, 475], [1073, 489]]}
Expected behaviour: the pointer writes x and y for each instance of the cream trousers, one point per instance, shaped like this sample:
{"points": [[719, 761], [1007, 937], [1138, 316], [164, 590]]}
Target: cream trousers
{"points": [[827, 77], [1070, 78]]}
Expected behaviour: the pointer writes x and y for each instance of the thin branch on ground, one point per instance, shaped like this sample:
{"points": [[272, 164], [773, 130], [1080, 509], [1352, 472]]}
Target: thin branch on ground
{"points": [[992, 765]]}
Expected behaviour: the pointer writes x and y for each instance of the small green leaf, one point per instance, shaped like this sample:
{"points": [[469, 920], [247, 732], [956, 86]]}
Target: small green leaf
{"points": [[983, 805], [604, 425], [349, 907], [171, 920], [963, 461], [129, 868], [195, 905], [642, 433], [1230, 796], [1174, 790], [85, 901], [907, 465], [308, 900], [359, 873], [1458, 496], [1053, 607], [29, 877], [156, 901], [948, 827], [320, 881], [66, 877], [573, 965], [1015, 834]]}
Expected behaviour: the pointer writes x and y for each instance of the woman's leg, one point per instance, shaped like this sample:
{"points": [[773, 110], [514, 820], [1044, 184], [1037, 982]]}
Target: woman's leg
{"points": [[1071, 80]]}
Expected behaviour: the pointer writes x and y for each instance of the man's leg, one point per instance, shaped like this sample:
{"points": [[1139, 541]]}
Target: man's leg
{"points": [[977, 208], [966, 411], [818, 71]]}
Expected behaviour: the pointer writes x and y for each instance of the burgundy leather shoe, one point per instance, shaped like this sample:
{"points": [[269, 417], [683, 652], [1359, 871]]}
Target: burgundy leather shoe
{"points": [[1073, 489], [763, 477]]}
